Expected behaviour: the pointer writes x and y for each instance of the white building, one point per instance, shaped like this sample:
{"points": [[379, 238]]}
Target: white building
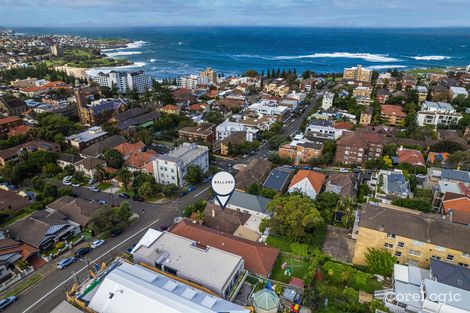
{"points": [[324, 129], [172, 167], [188, 260], [133, 288], [268, 107], [227, 128], [123, 81], [189, 82], [458, 91], [87, 137], [437, 113], [327, 101]]}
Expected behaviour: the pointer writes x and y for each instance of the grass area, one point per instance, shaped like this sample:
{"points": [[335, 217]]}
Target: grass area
{"points": [[298, 269], [129, 191], [104, 186], [15, 218], [282, 243], [435, 70], [25, 284]]}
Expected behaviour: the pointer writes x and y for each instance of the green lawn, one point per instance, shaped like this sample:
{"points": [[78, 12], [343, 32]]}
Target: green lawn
{"points": [[282, 243], [426, 71], [298, 268], [129, 191], [12, 219], [25, 284], [104, 186]]}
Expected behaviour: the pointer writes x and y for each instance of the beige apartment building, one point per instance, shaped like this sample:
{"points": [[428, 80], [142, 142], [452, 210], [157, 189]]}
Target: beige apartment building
{"points": [[358, 74]]}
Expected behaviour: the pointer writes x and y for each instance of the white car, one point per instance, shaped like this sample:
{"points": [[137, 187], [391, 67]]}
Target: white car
{"points": [[66, 183], [76, 185], [95, 244], [67, 178], [95, 189], [344, 170]]}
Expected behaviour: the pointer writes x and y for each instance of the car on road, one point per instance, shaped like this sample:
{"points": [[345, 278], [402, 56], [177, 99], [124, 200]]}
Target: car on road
{"points": [[103, 202], [4, 303], [138, 198], [183, 193], [116, 233], [123, 195], [343, 170], [91, 181], [205, 180], [95, 244], [129, 250], [66, 183], [191, 188], [95, 189], [163, 228], [75, 184], [66, 262], [82, 251]]}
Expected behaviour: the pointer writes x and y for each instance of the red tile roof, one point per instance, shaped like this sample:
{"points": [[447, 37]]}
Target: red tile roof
{"points": [[397, 110], [128, 148], [343, 125], [258, 258], [140, 159], [460, 209], [9, 119], [170, 107], [19, 130], [409, 156], [316, 179]]}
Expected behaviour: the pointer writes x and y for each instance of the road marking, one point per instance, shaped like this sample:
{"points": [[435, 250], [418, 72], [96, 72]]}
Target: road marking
{"points": [[201, 192], [84, 268]]}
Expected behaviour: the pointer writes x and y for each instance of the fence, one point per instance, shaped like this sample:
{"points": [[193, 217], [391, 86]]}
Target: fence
{"points": [[16, 278]]}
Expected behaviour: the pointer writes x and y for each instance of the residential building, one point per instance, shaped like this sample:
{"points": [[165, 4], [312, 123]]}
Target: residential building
{"points": [[357, 74], [12, 251], [301, 151], [135, 288], [19, 130], [87, 137], [457, 206], [7, 124], [279, 178], [258, 258], [98, 111], [88, 165], [422, 93], [43, 229], [254, 173], [362, 91], [411, 235], [189, 82], [327, 101], [343, 184], [417, 290], [393, 115], [66, 159], [323, 129], [11, 154], [458, 91], [189, 260], [97, 149], [437, 113], [12, 106], [248, 203], [171, 168], [75, 209], [136, 117], [408, 81], [410, 156], [11, 201], [227, 128], [438, 158], [235, 138], [358, 147], [203, 133], [224, 220], [171, 109], [209, 76], [141, 161], [362, 100], [122, 81], [366, 116], [307, 182], [270, 108], [383, 95], [389, 185]]}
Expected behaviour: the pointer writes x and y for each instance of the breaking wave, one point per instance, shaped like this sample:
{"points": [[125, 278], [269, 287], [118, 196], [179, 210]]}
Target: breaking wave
{"points": [[431, 58]]}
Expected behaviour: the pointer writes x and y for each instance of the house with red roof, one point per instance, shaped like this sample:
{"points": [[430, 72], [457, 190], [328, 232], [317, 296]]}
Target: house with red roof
{"points": [[127, 148], [8, 123], [457, 208], [410, 156], [141, 161], [393, 114], [19, 130], [307, 182], [171, 109]]}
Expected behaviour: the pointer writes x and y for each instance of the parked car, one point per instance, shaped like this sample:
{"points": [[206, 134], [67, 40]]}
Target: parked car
{"points": [[103, 202], [95, 244], [163, 228], [95, 189], [67, 178], [66, 183], [66, 262], [116, 233], [76, 185], [343, 170], [4, 303], [91, 181], [124, 195], [82, 251], [138, 198], [191, 188], [183, 193], [129, 250]]}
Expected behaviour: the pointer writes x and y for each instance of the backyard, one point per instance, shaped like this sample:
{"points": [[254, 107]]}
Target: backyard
{"points": [[293, 267]]}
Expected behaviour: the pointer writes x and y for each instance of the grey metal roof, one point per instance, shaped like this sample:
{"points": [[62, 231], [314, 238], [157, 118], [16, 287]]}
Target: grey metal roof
{"points": [[451, 274], [279, 178], [436, 288], [455, 175], [249, 201], [397, 184]]}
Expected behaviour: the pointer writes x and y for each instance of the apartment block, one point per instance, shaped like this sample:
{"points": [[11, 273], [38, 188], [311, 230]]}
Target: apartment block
{"points": [[437, 113], [357, 74]]}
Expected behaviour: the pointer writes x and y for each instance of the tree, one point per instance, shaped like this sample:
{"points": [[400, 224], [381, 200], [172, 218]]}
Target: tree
{"points": [[125, 176], [65, 191], [326, 202], [388, 161], [295, 216], [170, 190], [113, 158], [214, 117], [307, 74], [124, 211], [38, 182], [250, 73], [380, 261], [49, 191], [100, 173], [194, 174], [254, 189], [50, 169], [459, 160], [146, 190], [446, 146], [277, 140]]}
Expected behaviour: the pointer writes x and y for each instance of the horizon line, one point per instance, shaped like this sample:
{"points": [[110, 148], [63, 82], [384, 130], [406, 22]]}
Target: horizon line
{"points": [[238, 26]]}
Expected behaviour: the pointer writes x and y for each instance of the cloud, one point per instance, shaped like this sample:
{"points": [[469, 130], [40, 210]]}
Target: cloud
{"points": [[358, 13]]}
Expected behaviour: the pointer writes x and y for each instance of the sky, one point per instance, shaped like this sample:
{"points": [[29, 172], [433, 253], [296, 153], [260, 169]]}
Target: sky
{"points": [[315, 13]]}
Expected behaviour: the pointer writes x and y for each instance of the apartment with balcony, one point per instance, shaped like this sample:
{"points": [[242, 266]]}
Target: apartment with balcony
{"points": [[437, 113]]}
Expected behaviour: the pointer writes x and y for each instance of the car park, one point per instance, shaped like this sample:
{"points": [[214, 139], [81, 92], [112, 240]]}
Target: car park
{"points": [[66, 262], [82, 251], [4, 303], [95, 244]]}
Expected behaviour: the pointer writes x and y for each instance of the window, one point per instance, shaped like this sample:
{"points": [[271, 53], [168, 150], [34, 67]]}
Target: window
{"points": [[398, 254], [463, 264], [436, 257], [418, 243], [388, 245], [391, 236], [401, 244], [450, 257], [414, 252], [466, 255]]}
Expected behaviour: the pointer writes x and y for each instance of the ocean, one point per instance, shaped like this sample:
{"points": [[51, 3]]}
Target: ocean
{"points": [[175, 51]]}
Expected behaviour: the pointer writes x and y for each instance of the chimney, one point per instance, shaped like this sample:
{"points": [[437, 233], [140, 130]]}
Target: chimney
{"points": [[213, 212], [451, 214]]}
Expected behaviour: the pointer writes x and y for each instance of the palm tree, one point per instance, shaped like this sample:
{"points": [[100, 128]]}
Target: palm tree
{"points": [[100, 173], [125, 175], [347, 204], [199, 216]]}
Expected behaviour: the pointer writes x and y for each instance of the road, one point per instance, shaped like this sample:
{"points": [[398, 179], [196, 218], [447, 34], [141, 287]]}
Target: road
{"points": [[49, 292]]}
